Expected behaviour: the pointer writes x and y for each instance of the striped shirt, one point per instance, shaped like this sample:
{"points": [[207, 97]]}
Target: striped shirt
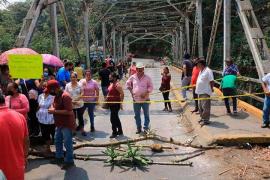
{"points": [[44, 104]]}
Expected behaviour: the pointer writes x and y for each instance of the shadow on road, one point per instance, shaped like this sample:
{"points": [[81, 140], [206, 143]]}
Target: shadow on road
{"points": [[76, 173]]}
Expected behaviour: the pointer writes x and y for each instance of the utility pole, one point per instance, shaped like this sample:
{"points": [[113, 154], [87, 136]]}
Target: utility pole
{"points": [[227, 31], [199, 23], [86, 34], [54, 29], [104, 39]]}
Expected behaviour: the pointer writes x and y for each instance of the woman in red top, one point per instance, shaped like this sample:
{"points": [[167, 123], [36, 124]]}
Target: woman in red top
{"points": [[115, 94], [194, 77], [165, 86]]}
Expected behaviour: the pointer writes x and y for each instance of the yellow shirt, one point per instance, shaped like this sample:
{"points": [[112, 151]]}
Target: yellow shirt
{"points": [[79, 71]]}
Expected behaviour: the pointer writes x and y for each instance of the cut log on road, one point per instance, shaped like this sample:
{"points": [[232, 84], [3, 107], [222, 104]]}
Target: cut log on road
{"points": [[157, 138]]}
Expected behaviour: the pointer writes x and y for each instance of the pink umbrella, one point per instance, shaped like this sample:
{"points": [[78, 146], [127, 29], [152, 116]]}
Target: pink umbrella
{"points": [[4, 55], [52, 60]]}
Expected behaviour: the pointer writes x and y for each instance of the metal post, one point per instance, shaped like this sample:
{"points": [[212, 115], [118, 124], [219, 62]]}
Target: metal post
{"points": [[114, 44], [86, 35], [181, 44], [173, 47], [177, 45], [187, 35], [125, 47], [227, 31], [199, 23], [121, 45], [53, 17], [104, 39]]}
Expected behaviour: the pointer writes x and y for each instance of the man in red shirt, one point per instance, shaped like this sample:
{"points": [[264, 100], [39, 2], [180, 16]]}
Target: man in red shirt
{"points": [[14, 142], [65, 123]]}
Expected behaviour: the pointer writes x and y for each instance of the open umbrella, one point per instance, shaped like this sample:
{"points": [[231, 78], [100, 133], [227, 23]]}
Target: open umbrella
{"points": [[52, 60], [4, 55]]}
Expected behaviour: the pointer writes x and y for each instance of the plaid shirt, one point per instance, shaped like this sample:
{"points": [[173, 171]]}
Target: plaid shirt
{"points": [[230, 70]]}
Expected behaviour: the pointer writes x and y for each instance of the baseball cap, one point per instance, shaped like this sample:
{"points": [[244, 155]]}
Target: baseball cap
{"points": [[51, 84]]}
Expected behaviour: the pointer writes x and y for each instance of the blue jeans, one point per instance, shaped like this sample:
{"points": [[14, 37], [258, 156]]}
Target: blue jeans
{"points": [[90, 108], [63, 135], [266, 110], [104, 90], [137, 110]]}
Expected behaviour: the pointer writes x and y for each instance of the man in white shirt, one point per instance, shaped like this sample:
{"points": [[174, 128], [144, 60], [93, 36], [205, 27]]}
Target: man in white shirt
{"points": [[266, 106], [204, 89]]}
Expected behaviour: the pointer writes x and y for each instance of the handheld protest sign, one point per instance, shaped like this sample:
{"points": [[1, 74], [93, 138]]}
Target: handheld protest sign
{"points": [[25, 66]]}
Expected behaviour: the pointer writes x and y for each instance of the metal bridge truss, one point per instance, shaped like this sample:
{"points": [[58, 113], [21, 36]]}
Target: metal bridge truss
{"points": [[127, 21]]}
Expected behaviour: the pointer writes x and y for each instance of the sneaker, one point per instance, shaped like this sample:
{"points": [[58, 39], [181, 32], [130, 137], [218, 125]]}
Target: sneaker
{"points": [[203, 123], [265, 126], [57, 161], [235, 113], [194, 111], [83, 134], [138, 131], [120, 133], [165, 109], [66, 166], [113, 136], [170, 110], [92, 129]]}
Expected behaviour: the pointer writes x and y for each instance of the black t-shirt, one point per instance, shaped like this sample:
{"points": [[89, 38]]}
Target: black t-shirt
{"points": [[189, 67], [104, 76]]}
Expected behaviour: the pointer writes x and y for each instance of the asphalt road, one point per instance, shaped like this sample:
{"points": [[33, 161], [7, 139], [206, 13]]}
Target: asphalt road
{"points": [[164, 123]]}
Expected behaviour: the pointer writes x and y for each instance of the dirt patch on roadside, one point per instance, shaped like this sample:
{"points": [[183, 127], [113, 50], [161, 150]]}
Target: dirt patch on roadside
{"points": [[242, 163]]}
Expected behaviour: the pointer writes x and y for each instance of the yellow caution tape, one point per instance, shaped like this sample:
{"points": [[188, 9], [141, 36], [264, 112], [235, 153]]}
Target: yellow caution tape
{"points": [[162, 101]]}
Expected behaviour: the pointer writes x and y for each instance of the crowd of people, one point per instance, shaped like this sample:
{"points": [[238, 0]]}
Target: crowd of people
{"points": [[50, 106]]}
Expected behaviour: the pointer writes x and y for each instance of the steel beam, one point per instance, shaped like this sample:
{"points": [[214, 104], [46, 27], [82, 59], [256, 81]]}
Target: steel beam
{"points": [[200, 29], [86, 36], [187, 35], [227, 31], [54, 30], [104, 39]]}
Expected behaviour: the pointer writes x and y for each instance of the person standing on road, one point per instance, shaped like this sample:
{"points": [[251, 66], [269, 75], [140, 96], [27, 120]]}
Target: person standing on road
{"points": [[90, 93], [266, 105], [16, 100], [231, 68], [46, 120], [194, 77], [204, 89], [63, 74], [228, 85], [64, 122], [14, 142], [79, 70], [104, 74], [186, 75], [75, 91], [140, 86], [165, 88], [116, 94]]}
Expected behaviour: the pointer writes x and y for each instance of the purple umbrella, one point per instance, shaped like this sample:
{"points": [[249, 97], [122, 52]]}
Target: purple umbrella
{"points": [[52, 60]]}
